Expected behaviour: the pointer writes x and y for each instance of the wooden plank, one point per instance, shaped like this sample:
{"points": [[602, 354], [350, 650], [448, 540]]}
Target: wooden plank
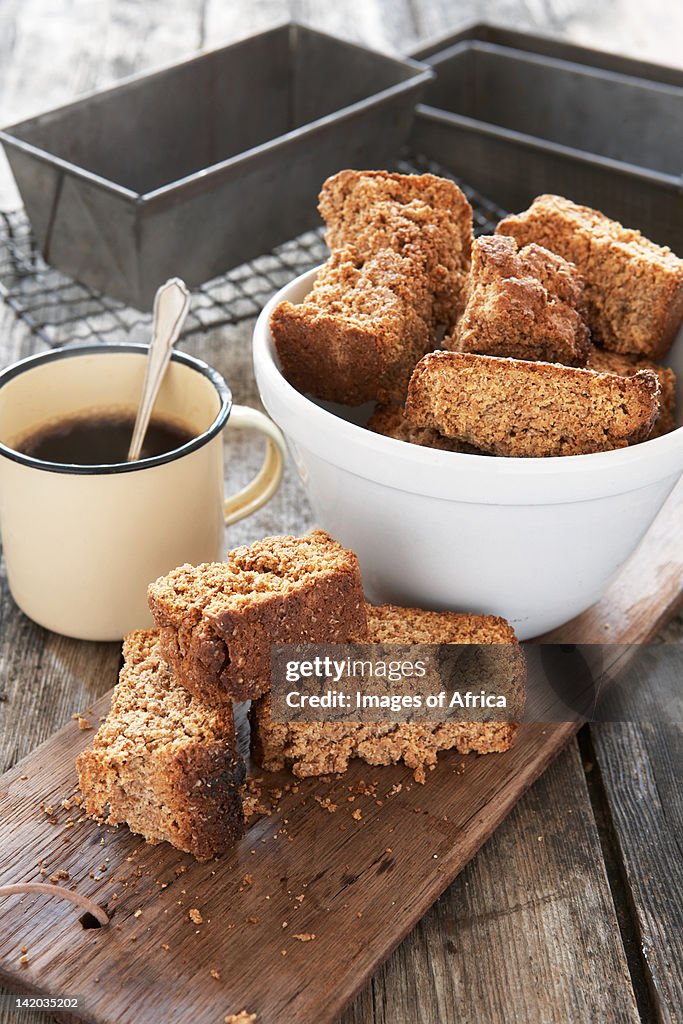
{"points": [[431, 831], [492, 870], [49, 54], [368, 881], [640, 762], [514, 935], [35, 665], [44, 678]]}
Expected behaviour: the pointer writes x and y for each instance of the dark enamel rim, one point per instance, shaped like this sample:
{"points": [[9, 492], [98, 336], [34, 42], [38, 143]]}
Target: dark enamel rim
{"points": [[103, 348]]}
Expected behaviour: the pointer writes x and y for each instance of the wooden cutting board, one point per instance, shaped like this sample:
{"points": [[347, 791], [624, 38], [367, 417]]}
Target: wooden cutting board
{"points": [[298, 917]]}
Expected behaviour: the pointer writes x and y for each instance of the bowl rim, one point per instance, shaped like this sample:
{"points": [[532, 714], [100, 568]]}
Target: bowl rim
{"points": [[309, 423]]}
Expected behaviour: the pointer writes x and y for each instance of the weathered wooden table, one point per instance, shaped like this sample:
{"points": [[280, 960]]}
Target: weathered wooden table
{"points": [[572, 910]]}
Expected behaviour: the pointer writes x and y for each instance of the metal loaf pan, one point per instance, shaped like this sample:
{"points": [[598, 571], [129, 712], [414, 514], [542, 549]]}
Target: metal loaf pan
{"points": [[519, 115], [203, 165]]}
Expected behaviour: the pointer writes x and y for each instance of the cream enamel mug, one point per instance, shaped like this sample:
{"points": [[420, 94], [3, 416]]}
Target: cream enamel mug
{"points": [[534, 540], [81, 543]]}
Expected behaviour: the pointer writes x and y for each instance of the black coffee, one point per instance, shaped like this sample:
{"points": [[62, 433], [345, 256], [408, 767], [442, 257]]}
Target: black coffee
{"points": [[101, 439]]}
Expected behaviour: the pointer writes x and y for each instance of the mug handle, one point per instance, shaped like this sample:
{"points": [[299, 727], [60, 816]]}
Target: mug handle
{"points": [[266, 482]]}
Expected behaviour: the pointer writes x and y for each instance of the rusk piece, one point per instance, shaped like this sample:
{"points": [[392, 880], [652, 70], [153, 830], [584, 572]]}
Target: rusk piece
{"points": [[219, 620], [615, 362], [390, 421], [346, 197], [423, 217], [359, 333], [520, 408], [164, 762], [319, 748], [634, 288], [526, 304]]}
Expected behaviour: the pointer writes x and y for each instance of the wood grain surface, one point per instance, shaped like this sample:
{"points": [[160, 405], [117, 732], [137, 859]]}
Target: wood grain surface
{"points": [[311, 901], [639, 763], [365, 883], [532, 930]]}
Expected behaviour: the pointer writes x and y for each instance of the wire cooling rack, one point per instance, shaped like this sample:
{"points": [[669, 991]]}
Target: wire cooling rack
{"points": [[60, 310]]}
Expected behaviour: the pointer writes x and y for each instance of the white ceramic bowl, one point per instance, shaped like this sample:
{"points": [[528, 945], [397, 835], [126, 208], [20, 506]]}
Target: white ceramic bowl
{"points": [[534, 540]]}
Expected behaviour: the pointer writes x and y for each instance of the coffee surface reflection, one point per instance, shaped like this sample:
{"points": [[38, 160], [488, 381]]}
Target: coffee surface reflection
{"points": [[100, 439]]}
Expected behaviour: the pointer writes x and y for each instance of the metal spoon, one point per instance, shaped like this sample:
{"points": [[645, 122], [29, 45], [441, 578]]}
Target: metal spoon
{"points": [[171, 304]]}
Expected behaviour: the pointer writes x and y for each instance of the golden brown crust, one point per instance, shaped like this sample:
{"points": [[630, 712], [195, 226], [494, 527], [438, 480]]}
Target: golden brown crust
{"points": [[359, 333], [526, 304], [634, 288], [391, 623], [616, 362], [320, 748], [420, 216], [401, 253], [219, 620], [513, 407], [163, 762], [345, 195]]}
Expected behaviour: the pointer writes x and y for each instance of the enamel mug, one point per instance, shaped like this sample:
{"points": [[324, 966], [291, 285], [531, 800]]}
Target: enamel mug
{"points": [[82, 543]]}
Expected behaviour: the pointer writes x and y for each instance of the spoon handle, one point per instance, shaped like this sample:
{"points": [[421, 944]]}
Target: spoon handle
{"points": [[171, 304]]}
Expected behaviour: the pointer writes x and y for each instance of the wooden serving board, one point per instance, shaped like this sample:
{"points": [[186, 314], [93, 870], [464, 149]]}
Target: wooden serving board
{"points": [[357, 878]]}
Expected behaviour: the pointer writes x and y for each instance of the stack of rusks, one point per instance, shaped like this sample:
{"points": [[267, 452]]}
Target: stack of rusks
{"points": [[165, 760], [542, 339]]}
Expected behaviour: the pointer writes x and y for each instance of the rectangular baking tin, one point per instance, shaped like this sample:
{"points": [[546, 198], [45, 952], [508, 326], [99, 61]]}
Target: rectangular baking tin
{"points": [[206, 164], [520, 115]]}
